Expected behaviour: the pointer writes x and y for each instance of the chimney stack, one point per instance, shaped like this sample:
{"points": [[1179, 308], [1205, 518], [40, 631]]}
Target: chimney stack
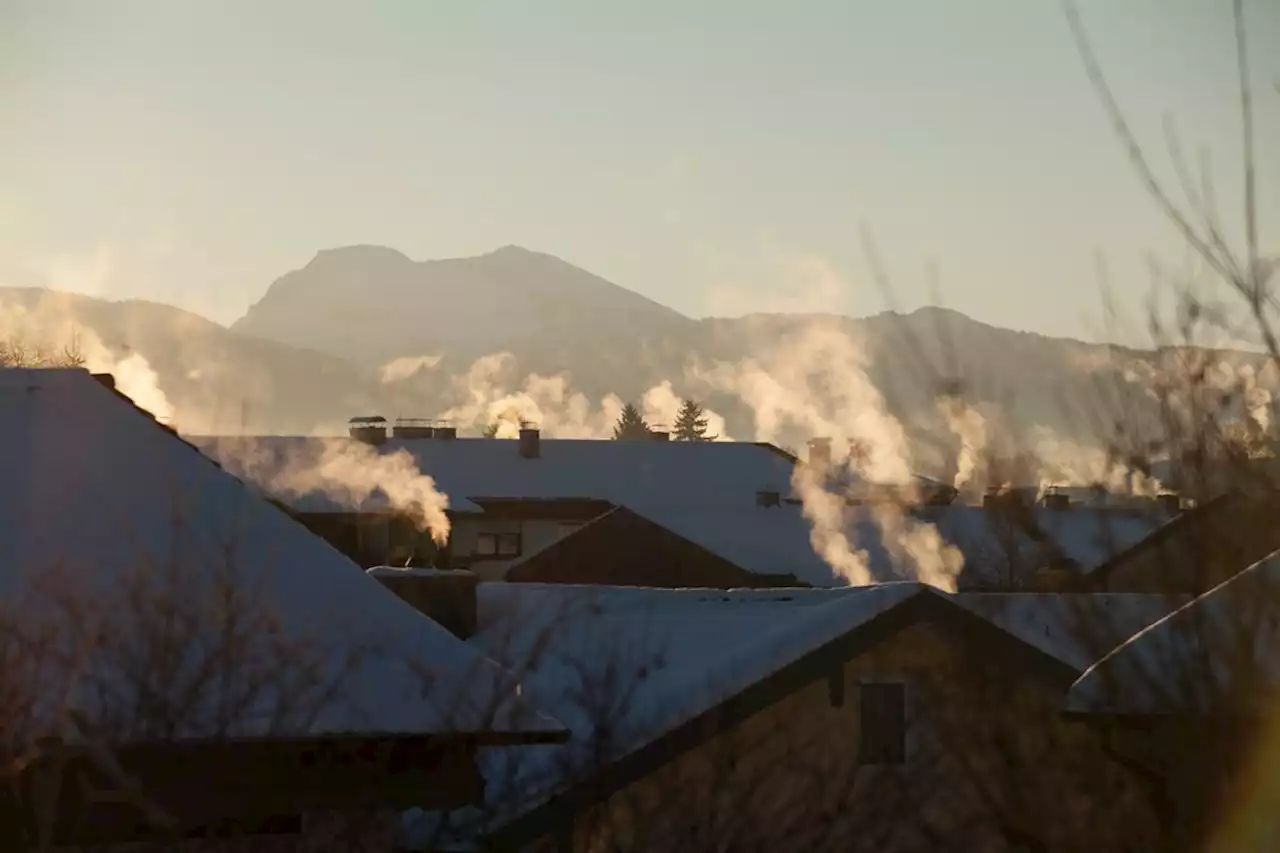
{"points": [[768, 498], [447, 597], [659, 435], [820, 452], [1054, 499], [411, 428], [530, 443], [1170, 503], [446, 433], [371, 429], [106, 379]]}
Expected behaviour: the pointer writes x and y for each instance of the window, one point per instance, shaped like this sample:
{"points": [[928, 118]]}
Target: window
{"points": [[882, 710], [497, 546]]}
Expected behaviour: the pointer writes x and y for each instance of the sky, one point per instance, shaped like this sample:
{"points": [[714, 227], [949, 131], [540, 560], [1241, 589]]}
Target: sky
{"points": [[721, 157]]}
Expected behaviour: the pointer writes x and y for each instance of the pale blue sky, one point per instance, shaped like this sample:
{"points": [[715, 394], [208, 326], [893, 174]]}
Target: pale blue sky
{"points": [[715, 156]]}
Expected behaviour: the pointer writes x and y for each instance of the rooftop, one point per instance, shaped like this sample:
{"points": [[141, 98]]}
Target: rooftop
{"points": [[106, 517]]}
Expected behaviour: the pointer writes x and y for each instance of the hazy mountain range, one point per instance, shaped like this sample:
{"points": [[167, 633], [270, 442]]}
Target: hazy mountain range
{"points": [[315, 349]]}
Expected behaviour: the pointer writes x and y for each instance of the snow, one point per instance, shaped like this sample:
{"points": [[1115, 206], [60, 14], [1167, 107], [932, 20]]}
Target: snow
{"points": [[776, 539], [672, 472], [1076, 629], [643, 661], [1223, 641], [416, 572], [100, 505]]}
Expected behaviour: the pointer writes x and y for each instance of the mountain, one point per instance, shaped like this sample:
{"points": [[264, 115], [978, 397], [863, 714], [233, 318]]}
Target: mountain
{"points": [[369, 304], [308, 354]]}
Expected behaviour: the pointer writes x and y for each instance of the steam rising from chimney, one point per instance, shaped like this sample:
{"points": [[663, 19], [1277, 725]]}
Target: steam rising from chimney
{"points": [[54, 326], [971, 428], [350, 472], [400, 369]]}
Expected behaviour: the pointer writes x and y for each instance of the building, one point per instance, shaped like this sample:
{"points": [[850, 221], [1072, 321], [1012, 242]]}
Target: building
{"points": [[725, 508], [185, 643], [801, 719], [1190, 704]]}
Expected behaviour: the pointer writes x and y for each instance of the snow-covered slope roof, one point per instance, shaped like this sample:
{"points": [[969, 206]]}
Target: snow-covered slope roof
{"points": [[676, 473], [109, 522], [647, 660], [776, 539], [1199, 657], [1075, 628]]}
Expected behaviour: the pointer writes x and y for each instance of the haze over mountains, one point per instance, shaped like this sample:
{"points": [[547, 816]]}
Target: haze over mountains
{"points": [[316, 348]]}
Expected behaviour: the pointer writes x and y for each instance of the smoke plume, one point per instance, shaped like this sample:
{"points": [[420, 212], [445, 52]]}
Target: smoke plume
{"points": [[400, 369], [971, 428]]}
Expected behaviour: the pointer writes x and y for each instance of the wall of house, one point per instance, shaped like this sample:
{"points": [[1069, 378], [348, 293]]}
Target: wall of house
{"points": [[1199, 556], [535, 534], [991, 764]]}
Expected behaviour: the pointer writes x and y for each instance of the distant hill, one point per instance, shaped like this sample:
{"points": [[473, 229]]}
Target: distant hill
{"points": [[216, 379], [308, 353]]}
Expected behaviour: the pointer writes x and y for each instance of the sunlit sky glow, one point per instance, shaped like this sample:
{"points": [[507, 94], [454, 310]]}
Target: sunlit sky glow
{"points": [[718, 157]]}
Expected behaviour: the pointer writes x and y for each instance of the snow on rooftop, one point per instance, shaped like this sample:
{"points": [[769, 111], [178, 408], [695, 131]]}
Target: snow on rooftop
{"points": [[98, 504], [1076, 629], [776, 539], [1198, 656], [673, 472]]}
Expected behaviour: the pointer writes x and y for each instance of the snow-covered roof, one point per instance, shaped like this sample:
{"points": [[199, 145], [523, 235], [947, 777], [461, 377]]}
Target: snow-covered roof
{"points": [[776, 539], [1075, 628], [642, 660], [677, 473], [107, 518], [1197, 659], [646, 660]]}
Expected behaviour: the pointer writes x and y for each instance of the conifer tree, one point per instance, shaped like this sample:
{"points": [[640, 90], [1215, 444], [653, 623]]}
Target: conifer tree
{"points": [[691, 423], [630, 425]]}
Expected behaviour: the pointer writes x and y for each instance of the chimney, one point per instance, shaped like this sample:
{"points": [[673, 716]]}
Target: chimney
{"points": [[412, 428], [530, 443], [446, 433], [1170, 503], [448, 597], [370, 430], [106, 379], [659, 435], [1054, 499], [820, 452], [768, 498]]}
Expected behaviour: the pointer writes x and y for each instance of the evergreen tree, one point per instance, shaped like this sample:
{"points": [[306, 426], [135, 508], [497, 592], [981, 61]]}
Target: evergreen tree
{"points": [[630, 425], [691, 423]]}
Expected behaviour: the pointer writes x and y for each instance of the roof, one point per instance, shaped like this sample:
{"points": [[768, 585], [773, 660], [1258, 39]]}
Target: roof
{"points": [[676, 473], [775, 540], [654, 661], [107, 513], [1220, 647]]}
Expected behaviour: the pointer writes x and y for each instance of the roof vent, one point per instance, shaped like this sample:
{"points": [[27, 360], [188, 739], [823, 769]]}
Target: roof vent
{"points": [[1055, 499], [413, 428], [530, 443], [768, 498], [820, 452], [371, 429]]}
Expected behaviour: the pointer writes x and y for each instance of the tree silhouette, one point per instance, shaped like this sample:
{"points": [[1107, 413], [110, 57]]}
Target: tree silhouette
{"points": [[630, 425], [691, 423]]}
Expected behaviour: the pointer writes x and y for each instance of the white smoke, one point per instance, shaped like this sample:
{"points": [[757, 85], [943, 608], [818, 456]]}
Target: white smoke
{"points": [[815, 384], [1063, 462], [350, 472], [661, 405], [400, 369], [970, 427], [53, 326]]}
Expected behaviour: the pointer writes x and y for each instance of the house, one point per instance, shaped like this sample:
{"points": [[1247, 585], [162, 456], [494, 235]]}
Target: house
{"points": [[725, 506], [186, 657], [769, 544], [800, 719], [1190, 703], [507, 498], [1195, 550]]}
